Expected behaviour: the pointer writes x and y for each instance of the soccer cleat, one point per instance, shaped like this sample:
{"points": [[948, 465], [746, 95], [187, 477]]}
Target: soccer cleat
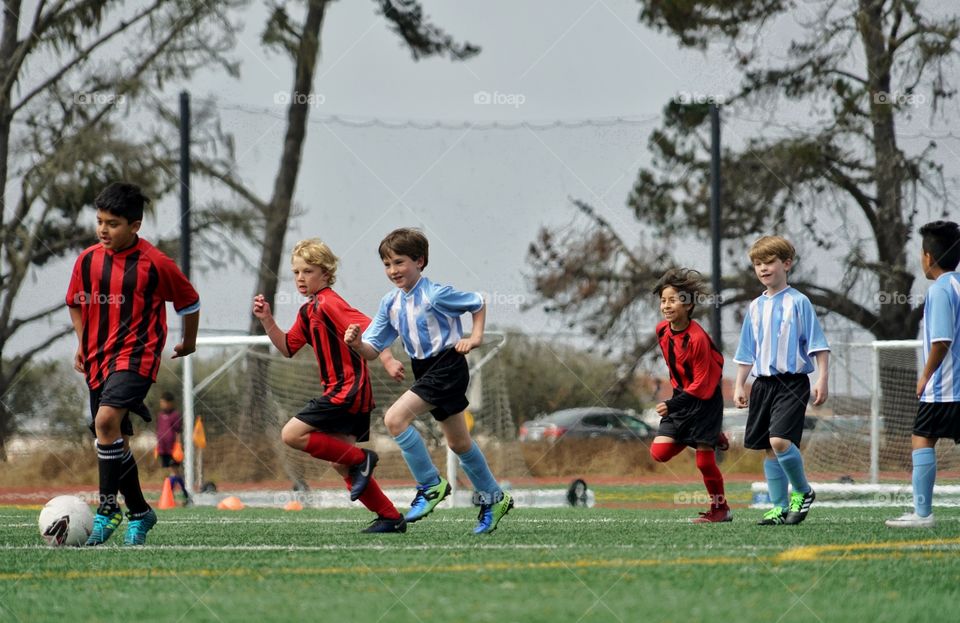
{"points": [[361, 473], [382, 525], [723, 444], [491, 514], [427, 499], [103, 527], [715, 515], [799, 507], [911, 520], [773, 517], [137, 529]]}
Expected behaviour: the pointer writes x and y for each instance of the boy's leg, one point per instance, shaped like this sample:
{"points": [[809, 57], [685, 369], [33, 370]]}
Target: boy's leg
{"points": [[110, 454], [665, 448], [388, 518], [398, 420], [924, 474], [712, 480], [802, 495]]}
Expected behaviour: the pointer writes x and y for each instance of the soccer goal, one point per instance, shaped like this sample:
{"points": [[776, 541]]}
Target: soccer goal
{"points": [[857, 448]]}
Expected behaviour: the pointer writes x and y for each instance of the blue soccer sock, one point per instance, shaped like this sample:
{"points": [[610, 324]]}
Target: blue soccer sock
{"points": [[792, 464], [924, 475], [776, 482], [476, 468], [418, 459]]}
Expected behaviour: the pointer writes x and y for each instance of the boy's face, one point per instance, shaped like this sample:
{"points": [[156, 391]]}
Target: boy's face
{"points": [[674, 306], [116, 233], [309, 278], [927, 263], [165, 405], [402, 270], [772, 272]]}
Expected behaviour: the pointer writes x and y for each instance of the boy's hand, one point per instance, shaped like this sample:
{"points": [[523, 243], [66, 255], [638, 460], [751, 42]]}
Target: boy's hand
{"points": [[662, 409], [820, 392], [78, 361], [261, 308], [921, 384], [352, 337], [395, 370], [182, 350], [740, 398], [467, 344]]}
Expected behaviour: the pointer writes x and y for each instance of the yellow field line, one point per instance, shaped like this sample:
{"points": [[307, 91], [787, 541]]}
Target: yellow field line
{"points": [[814, 553]]}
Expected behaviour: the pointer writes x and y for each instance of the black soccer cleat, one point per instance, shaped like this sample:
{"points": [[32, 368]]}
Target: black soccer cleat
{"points": [[799, 507], [361, 473], [382, 525]]}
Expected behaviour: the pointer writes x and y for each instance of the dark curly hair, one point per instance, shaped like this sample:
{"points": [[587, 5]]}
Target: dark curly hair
{"points": [[687, 282]]}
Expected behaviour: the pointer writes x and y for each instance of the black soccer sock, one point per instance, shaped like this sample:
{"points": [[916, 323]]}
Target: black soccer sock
{"points": [[109, 462], [130, 486]]}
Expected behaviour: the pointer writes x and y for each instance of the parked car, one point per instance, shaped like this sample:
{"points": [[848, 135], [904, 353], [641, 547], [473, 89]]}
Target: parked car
{"points": [[587, 423]]}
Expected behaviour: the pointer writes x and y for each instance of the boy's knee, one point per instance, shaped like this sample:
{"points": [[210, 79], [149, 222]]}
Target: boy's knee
{"points": [[780, 445], [395, 421], [460, 445]]}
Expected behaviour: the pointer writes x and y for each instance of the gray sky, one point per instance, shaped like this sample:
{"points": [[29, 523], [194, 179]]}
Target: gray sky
{"points": [[481, 194]]}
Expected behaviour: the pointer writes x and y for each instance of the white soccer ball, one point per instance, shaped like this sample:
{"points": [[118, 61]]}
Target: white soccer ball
{"points": [[65, 520]]}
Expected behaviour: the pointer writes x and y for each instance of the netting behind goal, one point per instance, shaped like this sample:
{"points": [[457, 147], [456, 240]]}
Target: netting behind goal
{"points": [[245, 391]]}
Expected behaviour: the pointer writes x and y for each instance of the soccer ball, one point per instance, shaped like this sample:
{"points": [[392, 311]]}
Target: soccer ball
{"points": [[65, 520]]}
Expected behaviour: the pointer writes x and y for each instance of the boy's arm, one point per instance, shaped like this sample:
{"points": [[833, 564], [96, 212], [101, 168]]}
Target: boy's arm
{"points": [[352, 337], [261, 309], [188, 343], [938, 352], [467, 344], [76, 317], [739, 390], [820, 387], [392, 365]]}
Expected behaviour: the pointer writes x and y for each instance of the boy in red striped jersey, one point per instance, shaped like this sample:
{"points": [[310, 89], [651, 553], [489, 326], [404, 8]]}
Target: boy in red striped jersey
{"points": [[328, 427], [694, 415], [117, 298]]}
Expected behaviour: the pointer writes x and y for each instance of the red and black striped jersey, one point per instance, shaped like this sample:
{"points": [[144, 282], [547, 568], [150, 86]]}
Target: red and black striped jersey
{"points": [[321, 322], [123, 296], [694, 362]]}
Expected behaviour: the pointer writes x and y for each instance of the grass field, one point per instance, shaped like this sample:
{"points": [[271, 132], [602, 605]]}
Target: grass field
{"points": [[601, 564]]}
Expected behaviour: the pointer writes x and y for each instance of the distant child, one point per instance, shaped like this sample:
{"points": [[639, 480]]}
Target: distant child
{"points": [[781, 334], [694, 415], [938, 414], [329, 427], [426, 316], [169, 432], [117, 298]]}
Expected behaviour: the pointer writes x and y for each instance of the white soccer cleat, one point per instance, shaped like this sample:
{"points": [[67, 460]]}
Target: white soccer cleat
{"points": [[911, 520]]}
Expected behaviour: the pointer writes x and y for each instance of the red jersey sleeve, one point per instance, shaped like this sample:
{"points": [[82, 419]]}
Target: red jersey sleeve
{"points": [[75, 294], [299, 334], [174, 285], [706, 368]]}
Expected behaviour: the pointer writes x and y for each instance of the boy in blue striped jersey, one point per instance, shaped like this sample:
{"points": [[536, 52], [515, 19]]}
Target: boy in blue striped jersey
{"points": [[426, 316], [938, 414], [780, 337]]}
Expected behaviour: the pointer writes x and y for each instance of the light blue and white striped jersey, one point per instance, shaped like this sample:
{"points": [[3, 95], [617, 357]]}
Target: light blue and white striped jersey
{"points": [[427, 318], [780, 334], [941, 323]]}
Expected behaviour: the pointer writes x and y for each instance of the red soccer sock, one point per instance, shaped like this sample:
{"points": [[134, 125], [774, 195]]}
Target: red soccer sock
{"points": [[663, 452], [331, 449], [375, 500], [712, 478]]}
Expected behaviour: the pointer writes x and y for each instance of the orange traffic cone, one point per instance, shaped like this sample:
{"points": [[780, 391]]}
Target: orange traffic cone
{"points": [[166, 496], [231, 503]]}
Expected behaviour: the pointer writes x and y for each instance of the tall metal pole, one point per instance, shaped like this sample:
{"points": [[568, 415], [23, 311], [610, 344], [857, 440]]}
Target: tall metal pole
{"points": [[188, 406], [716, 228]]}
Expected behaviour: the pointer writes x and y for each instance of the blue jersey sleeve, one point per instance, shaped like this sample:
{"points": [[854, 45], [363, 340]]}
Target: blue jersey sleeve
{"points": [[747, 347], [813, 335], [451, 302], [939, 315], [380, 333]]}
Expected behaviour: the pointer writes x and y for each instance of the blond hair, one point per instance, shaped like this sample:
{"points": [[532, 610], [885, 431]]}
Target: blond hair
{"points": [[315, 252], [769, 248]]}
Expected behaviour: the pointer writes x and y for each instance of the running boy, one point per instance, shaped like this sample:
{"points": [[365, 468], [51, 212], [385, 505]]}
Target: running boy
{"points": [[780, 336], [329, 427], [938, 414], [426, 316], [169, 430], [694, 415], [117, 297]]}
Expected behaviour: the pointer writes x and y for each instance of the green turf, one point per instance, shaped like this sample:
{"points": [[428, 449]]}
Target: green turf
{"points": [[541, 565]]}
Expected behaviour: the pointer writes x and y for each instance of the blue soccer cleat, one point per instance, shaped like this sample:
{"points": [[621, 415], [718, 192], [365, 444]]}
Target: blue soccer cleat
{"points": [[491, 514], [427, 499], [103, 527], [137, 529]]}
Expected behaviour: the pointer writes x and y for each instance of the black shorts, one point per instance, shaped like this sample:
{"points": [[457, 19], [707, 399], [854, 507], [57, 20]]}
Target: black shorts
{"points": [[700, 423], [123, 390], [328, 417], [166, 460], [442, 381], [778, 405], [938, 420]]}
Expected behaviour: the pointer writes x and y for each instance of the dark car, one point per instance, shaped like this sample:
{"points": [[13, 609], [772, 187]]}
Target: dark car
{"points": [[586, 423]]}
